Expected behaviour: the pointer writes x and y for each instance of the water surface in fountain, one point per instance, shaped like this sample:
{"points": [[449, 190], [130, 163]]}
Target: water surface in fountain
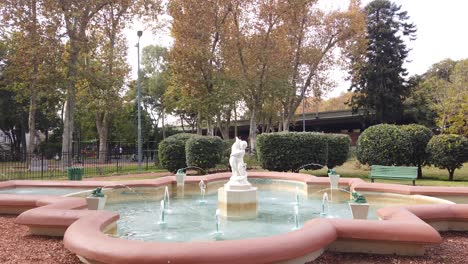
{"points": [[42, 190], [188, 220]]}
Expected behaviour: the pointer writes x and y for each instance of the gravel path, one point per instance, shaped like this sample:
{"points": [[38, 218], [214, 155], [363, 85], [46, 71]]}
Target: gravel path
{"points": [[18, 247]]}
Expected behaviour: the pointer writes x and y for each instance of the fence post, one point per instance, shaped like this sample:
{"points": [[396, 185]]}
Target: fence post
{"points": [[42, 165], [119, 156]]}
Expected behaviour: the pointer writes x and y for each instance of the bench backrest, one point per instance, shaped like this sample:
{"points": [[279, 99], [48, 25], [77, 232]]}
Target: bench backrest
{"points": [[378, 171]]}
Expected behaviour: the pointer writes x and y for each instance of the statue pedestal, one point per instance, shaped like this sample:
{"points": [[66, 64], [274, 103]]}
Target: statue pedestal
{"points": [[238, 200]]}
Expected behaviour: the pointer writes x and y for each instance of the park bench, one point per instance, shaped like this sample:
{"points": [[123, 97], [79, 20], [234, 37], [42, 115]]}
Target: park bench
{"points": [[394, 173]]}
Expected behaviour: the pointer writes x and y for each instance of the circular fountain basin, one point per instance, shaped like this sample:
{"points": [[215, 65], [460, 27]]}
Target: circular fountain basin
{"points": [[191, 219]]}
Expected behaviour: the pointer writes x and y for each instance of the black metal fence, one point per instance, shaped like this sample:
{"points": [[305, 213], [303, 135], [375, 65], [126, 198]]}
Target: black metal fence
{"points": [[54, 166]]}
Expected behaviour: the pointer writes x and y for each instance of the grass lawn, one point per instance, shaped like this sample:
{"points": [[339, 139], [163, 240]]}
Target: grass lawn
{"points": [[431, 175]]}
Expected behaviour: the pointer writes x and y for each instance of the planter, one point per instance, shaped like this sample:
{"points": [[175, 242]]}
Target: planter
{"points": [[334, 180], [96, 203], [359, 210]]}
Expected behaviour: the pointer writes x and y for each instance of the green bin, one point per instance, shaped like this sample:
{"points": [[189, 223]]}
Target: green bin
{"points": [[75, 173]]}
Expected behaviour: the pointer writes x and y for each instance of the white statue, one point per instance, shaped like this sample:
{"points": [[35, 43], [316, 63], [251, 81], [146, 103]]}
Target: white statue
{"points": [[236, 160]]}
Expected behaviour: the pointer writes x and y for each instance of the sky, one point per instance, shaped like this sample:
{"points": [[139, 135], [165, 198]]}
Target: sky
{"points": [[441, 33]]}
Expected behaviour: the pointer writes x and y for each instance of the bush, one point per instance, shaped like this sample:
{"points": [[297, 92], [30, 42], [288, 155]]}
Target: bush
{"points": [[384, 145], [419, 136], [204, 152], [171, 151], [287, 151], [50, 149], [448, 152], [338, 149]]}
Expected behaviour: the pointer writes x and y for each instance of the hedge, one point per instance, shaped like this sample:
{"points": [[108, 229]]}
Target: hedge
{"points": [[419, 137], [287, 151], [384, 145], [204, 152], [171, 151], [448, 152], [338, 149]]}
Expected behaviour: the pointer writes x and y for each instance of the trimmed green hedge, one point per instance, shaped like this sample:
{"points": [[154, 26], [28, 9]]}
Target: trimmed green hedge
{"points": [[171, 151], [419, 137], [384, 145], [338, 149], [448, 152], [287, 151], [204, 152]]}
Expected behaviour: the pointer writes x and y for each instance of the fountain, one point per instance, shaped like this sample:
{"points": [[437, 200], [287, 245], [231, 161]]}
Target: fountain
{"points": [[325, 208], [166, 197], [238, 199], [162, 220], [296, 217], [202, 186], [180, 179], [218, 221], [297, 195]]}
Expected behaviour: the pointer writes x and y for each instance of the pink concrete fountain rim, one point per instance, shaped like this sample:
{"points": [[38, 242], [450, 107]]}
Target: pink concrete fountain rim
{"points": [[356, 183], [84, 235]]}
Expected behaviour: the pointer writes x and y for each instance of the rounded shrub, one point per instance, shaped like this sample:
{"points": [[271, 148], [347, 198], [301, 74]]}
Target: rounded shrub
{"points": [[287, 151], [419, 137], [448, 152], [384, 145], [171, 151], [204, 152], [338, 149]]}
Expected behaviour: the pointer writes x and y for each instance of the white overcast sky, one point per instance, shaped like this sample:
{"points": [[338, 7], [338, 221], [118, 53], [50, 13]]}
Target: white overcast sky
{"points": [[442, 32]]}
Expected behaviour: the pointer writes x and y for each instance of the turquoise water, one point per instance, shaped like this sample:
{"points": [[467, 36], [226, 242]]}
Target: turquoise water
{"points": [[42, 190], [188, 220]]}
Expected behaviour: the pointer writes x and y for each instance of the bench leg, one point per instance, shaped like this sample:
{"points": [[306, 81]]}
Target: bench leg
{"points": [[414, 182], [372, 180]]}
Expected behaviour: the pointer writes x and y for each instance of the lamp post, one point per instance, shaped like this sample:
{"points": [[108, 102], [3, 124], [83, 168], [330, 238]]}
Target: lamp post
{"points": [[139, 33], [303, 114]]}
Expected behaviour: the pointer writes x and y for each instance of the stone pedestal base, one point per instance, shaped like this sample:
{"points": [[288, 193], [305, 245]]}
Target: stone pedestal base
{"points": [[238, 201]]}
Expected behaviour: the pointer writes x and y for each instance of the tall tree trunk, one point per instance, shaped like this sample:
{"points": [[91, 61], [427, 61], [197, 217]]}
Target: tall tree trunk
{"points": [[33, 89], [32, 121], [419, 171], [182, 123], [223, 129], [253, 131], [163, 124], [451, 172], [210, 130], [235, 121], [102, 125], [68, 122], [23, 139], [199, 120]]}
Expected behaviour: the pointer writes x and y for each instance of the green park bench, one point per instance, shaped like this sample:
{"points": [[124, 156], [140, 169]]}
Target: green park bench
{"points": [[394, 173]]}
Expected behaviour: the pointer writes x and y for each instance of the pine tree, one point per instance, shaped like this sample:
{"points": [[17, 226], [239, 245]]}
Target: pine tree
{"points": [[378, 79]]}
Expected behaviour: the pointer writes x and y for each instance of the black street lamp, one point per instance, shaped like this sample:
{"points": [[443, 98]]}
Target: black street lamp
{"points": [[139, 33]]}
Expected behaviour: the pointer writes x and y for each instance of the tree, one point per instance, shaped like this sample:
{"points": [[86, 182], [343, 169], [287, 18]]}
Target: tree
{"points": [[378, 78], [314, 37], [105, 69], [77, 18], [257, 56], [446, 84], [418, 106], [448, 152], [155, 82], [384, 144], [197, 62], [419, 137], [34, 54]]}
